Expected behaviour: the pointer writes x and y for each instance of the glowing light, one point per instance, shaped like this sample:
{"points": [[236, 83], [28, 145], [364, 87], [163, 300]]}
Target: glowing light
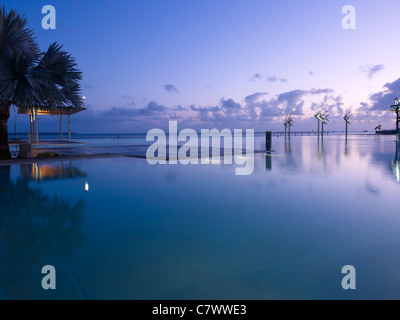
{"points": [[86, 186]]}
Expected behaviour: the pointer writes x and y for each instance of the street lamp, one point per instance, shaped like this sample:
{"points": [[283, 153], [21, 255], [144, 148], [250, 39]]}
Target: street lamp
{"points": [[288, 123], [396, 108], [322, 116], [346, 118]]}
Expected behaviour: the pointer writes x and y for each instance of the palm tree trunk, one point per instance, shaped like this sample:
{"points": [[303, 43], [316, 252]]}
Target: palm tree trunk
{"points": [[4, 116]]}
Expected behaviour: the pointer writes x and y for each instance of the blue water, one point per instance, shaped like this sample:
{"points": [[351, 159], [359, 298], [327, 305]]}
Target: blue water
{"points": [[201, 232]]}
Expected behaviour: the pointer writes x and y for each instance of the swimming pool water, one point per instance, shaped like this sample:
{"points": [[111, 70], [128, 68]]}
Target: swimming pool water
{"points": [[123, 229]]}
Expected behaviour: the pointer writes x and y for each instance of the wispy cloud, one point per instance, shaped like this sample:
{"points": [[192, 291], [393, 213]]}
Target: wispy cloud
{"points": [[255, 77], [170, 88], [259, 76], [275, 79], [370, 70]]}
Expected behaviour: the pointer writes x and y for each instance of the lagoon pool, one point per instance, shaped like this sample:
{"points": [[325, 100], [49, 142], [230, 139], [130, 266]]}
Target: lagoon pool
{"points": [[122, 229]]}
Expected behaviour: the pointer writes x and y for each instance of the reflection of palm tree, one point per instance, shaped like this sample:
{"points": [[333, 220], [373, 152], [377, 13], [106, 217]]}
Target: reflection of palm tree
{"points": [[31, 220]]}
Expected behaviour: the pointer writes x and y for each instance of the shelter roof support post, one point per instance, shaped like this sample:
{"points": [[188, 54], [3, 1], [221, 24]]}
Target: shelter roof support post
{"points": [[37, 126], [69, 128], [30, 126], [60, 126]]}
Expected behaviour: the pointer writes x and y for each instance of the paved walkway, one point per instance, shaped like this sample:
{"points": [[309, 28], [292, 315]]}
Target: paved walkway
{"points": [[86, 152]]}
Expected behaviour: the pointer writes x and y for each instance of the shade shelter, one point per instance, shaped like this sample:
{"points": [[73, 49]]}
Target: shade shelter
{"points": [[60, 111]]}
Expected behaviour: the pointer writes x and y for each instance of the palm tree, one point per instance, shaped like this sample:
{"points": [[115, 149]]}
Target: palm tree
{"points": [[378, 128], [15, 39], [30, 79]]}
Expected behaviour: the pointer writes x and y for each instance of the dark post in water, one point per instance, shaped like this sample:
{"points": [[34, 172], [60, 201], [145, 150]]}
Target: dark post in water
{"points": [[268, 140], [347, 118]]}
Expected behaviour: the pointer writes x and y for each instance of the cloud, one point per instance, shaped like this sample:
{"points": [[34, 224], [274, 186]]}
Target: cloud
{"points": [[152, 107], [258, 76], [321, 91], [290, 102], [255, 111], [275, 79], [257, 108], [370, 71], [254, 97], [311, 73], [230, 105], [170, 88], [126, 113], [384, 99], [179, 108], [204, 109], [255, 77]]}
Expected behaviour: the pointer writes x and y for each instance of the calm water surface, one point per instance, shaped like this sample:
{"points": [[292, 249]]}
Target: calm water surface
{"points": [[200, 232]]}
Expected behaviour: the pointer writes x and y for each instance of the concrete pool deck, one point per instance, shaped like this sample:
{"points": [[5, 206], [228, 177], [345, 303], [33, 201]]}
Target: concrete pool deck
{"points": [[96, 152]]}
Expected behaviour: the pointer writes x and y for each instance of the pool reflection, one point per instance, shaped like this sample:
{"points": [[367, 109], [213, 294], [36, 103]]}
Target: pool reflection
{"points": [[200, 232], [31, 226], [396, 163]]}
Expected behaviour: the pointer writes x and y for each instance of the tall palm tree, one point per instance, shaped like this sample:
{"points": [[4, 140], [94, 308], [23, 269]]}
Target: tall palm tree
{"points": [[15, 39], [30, 79]]}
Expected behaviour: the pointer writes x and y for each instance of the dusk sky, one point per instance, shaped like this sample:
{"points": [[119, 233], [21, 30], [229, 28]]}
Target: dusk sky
{"points": [[224, 63]]}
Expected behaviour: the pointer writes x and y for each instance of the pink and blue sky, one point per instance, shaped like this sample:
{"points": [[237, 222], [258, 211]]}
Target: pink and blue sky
{"points": [[225, 63]]}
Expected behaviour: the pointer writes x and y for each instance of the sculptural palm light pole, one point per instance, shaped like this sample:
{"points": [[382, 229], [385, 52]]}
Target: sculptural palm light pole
{"points": [[288, 124], [346, 118], [322, 116], [396, 108]]}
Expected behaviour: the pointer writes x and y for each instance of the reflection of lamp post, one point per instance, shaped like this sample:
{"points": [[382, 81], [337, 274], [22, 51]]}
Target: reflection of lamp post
{"points": [[396, 163]]}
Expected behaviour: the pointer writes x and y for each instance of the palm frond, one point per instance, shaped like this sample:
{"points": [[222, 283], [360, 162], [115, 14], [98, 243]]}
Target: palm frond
{"points": [[14, 81], [29, 78], [14, 36], [60, 73]]}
